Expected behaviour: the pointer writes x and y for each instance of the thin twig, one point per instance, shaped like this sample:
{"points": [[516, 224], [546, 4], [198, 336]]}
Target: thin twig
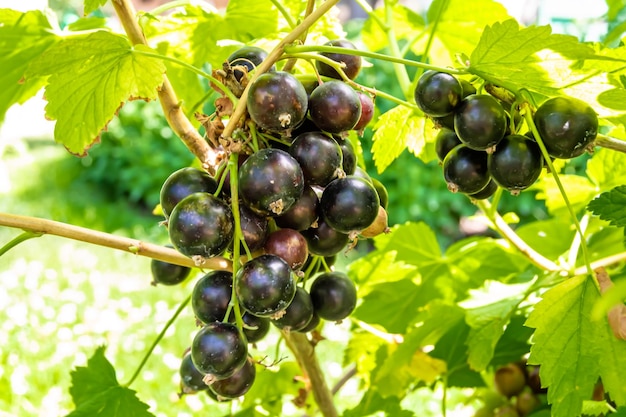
{"points": [[134, 246], [347, 375]]}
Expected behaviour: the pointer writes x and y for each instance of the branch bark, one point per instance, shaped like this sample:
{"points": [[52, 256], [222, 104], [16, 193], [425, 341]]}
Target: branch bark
{"points": [[134, 246], [304, 352], [176, 118]]}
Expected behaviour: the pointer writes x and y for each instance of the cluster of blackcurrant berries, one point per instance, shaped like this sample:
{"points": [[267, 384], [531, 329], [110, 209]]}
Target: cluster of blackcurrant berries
{"points": [[479, 146], [300, 200]]}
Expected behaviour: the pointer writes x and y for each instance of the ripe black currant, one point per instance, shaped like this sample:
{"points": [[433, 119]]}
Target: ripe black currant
{"points": [[290, 245], [349, 204], [298, 314], [191, 380], [165, 273], [465, 170], [352, 62], [333, 295], [211, 295], [319, 156], [302, 213], [334, 107], [218, 350], [237, 384], [480, 121], [182, 183], [437, 94], [323, 240], [516, 163]]}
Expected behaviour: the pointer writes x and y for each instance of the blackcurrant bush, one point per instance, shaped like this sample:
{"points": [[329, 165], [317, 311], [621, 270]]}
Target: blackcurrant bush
{"points": [[165, 273], [211, 295], [445, 141], [567, 126], [438, 93], [277, 101], [323, 240], [319, 157], [298, 314], [237, 384], [349, 204], [334, 107], [516, 163], [182, 183], [270, 181], [352, 62], [191, 380], [201, 225], [333, 295], [265, 285], [302, 213], [480, 122], [290, 245], [465, 170], [218, 350], [249, 57]]}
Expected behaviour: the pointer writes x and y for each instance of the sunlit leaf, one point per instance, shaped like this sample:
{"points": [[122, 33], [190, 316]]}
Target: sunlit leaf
{"points": [[90, 78], [92, 5], [373, 404], [574, 351], [23, 37], [607, 169], [611, 206], [406, 24], [415, 243], [578, 188]]}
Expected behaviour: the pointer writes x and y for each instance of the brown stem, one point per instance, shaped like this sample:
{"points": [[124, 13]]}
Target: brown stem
{"points": [[174, 114], [305, 355], [272, 57], [137, 247], [610, 143], [302, 39]]}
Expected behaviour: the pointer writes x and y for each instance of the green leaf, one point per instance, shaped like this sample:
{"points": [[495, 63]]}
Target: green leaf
{"points": [[270, 385], [398, 129], [23, 37], [574, 351], [378, 266], [372, 403], [248, 20], [93, 5], [415, 243], [614, 296], [406, 23], [607, 169], [90, 78], [361, 350], [579, 192], [96, 392], [611, 206], [487, 324], [513, 344], [551, 237], [407, 363], [596, 408], [530, 58]]}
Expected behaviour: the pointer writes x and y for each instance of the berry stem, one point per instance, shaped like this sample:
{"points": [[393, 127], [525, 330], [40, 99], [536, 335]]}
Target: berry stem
{"points": [[43, 226], [610, 143], [513, 238], [304, 352], [160, 336], [310, 5], [234, 202], [172, 109], [240, 109], [17, 240], [367, 54], [284, 12]]}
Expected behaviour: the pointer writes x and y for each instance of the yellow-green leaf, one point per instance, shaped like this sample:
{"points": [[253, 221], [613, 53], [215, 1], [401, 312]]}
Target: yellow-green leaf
{"points": [[90, 79]]}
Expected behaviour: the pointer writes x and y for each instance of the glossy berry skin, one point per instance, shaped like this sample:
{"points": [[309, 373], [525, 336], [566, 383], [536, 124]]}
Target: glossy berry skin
{"points": [[516, 163], [349, 204], [334, 107], [237, 384], [254, 227], [486, 192], [249, 57], [323, 240], [349, 156], [445, 141], [333, 295], [313, 323], [302, 213], [352, 62], [480, 121], [381, 190], [219, 350], [510, 380], [298, 314], [290, 245], [448, 120], [190, 378], [201, 225], [465, 170], [367, 110], [437, 94], [182, 183], [270, 181], [319, 156], [255, 327], [211, 295], [567, 126], [265, 285], [165, 273], [277, 101]]}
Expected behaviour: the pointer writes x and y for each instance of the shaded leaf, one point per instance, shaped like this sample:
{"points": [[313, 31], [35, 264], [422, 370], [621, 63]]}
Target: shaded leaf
{"points": [[90, 78], [574, 351], [372, 403], [23, 37], [513, 344], [611, 206], [96, 392]]}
